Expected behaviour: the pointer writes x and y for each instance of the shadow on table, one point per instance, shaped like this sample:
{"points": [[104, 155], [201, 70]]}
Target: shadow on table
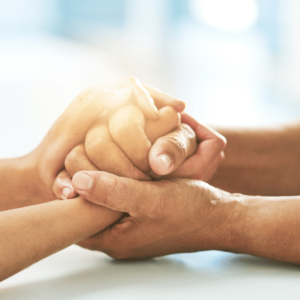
{"points": [[168, 272]]}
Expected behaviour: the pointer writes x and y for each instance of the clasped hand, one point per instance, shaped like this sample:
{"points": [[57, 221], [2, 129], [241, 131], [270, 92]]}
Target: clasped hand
{"points": [[133, 143]]}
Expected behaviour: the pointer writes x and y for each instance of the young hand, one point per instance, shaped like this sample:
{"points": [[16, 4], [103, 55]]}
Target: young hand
{"points": [[47, 160]]}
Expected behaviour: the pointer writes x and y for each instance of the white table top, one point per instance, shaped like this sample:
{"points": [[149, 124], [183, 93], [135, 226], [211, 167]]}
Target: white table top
{"points": [[75, 273], [30, 100]]}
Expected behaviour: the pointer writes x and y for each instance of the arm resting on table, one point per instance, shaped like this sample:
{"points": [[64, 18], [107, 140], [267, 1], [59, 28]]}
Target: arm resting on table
{"points": [[30, 234]]}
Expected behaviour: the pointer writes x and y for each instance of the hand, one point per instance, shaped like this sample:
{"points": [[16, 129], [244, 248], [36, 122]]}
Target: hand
{"points": [[202, 164], [120, 144], [165, 217], [168, 155], [47, 160]]}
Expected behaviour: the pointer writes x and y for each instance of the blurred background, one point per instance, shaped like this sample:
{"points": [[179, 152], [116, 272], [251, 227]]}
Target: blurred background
{"points": [[235, 62]]}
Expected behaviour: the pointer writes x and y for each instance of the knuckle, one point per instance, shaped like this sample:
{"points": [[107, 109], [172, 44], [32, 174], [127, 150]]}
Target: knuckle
{"points": [[179, 147], [73, 156], [97, 148], [188, 130], [122, 128], [84, 95]]}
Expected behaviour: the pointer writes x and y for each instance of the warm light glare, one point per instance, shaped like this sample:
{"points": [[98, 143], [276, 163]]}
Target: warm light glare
{"points": [[230, 15]]}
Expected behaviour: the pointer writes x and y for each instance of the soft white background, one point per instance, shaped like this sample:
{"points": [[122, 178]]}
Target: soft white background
{"points": [[235, 65]]}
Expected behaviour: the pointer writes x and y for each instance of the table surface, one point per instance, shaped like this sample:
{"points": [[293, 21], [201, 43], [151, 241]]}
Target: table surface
{"points": [[31, 98], [75, 273]]}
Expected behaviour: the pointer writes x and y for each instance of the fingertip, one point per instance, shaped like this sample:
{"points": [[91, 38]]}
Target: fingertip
{"points": [[82, 181], [65, 193], [161, 164], [180, 106], [68, 193]]}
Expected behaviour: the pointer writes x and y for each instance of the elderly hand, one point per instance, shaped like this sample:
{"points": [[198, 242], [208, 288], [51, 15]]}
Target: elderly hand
{"points": [[164, 217], [119, 143]]}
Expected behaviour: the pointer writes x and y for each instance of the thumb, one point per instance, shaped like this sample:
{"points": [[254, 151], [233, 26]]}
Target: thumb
{"points": [[170, 151], [117, 193]]}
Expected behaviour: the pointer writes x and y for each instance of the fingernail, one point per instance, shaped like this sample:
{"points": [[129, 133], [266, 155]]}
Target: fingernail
{"points": [[166, 160], [83, 181], [66, 191]]}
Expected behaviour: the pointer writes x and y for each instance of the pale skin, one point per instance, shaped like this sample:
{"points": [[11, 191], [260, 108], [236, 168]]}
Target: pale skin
{"points": [[28, 180]]}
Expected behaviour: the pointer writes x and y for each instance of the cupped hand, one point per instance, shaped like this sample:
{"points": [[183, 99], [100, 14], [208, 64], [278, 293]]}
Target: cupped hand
{"points": [[201, 165], [121, 146], [120, 142], [164, 217], [47, 160]]}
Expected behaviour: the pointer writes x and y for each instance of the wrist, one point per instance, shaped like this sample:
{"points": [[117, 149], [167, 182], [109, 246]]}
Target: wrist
{"points": [[22, 178], [14, 174], [266, 227], [247, 224], [230, 218], [20, 184]]}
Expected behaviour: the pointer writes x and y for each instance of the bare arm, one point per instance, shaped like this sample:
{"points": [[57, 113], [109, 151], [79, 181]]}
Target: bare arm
{"points": [[267, 226], [261, 161], [30, 234], [19, 185]]}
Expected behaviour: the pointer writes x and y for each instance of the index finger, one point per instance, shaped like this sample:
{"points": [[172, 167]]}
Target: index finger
{"points": [[203, 132], [140, 95], [162, 99]]}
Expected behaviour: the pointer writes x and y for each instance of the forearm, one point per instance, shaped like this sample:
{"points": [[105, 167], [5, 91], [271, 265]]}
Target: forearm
{"points": [[15, 186], [261, 162], [30, 234], [20, 183], [266, 226]]}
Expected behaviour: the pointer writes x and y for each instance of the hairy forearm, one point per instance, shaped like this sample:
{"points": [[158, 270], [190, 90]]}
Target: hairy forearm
{"points": [[261, 162], [30, 234], [266, 226]]}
